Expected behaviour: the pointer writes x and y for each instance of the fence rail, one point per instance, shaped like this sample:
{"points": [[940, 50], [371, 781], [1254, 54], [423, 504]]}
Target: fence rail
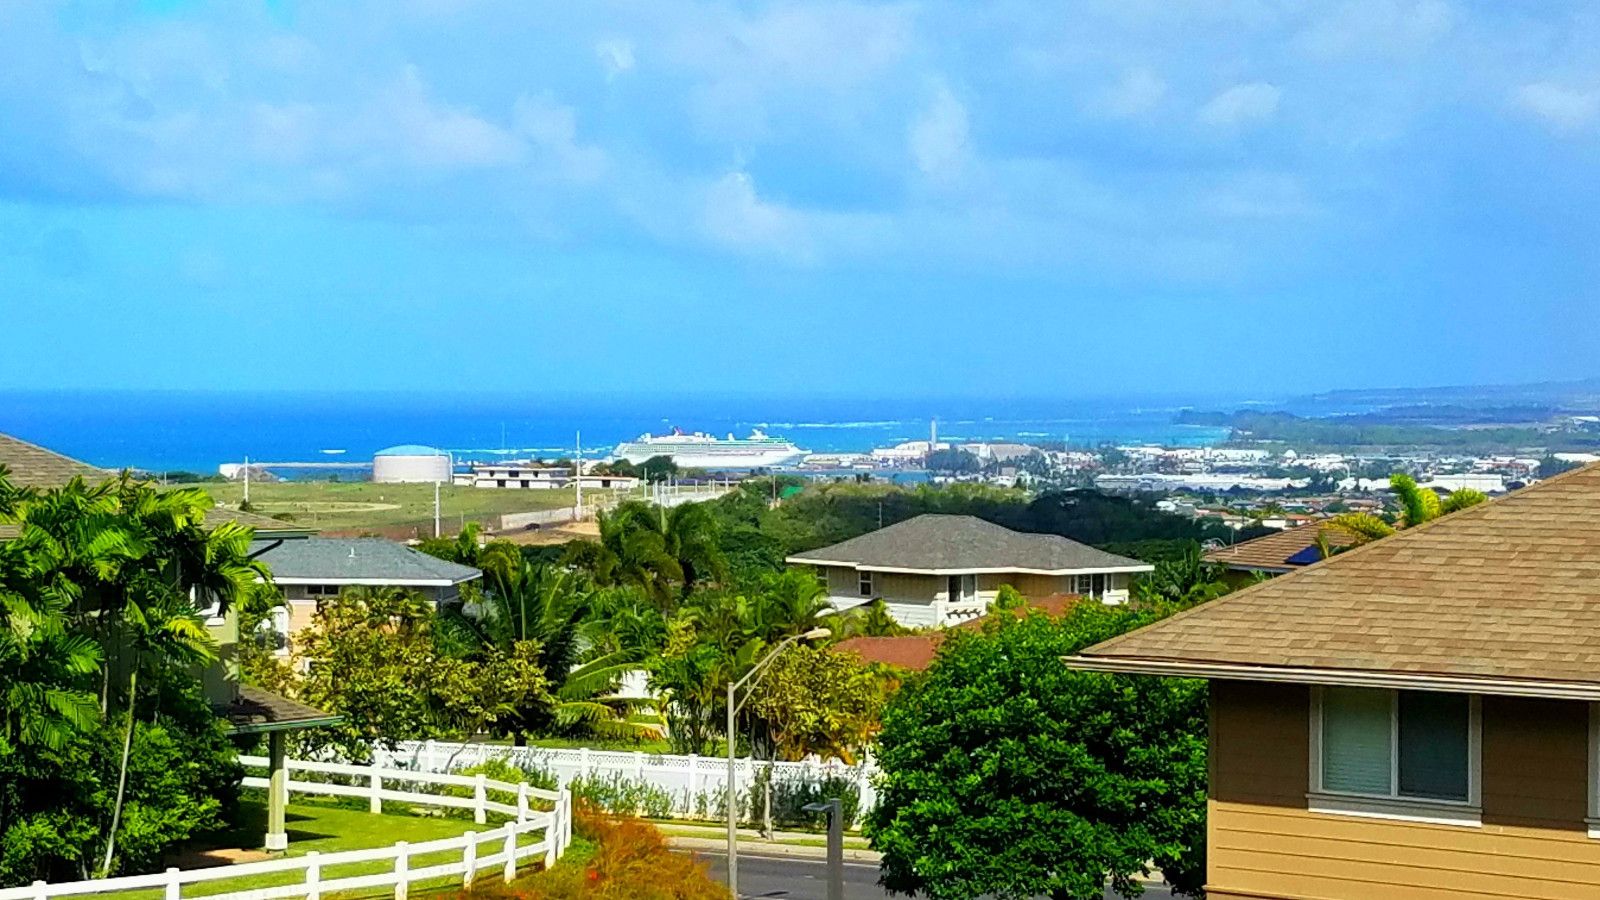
{"points": [[504, 842], [690, 779]]}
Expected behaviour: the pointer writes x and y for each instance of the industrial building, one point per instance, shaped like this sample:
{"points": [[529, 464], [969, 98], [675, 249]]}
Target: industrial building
{"points": [[412, 464]]}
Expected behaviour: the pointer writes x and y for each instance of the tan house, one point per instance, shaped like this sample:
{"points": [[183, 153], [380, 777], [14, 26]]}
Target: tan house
{"points": [[936, 570], [311, 569], [1414, 718]]}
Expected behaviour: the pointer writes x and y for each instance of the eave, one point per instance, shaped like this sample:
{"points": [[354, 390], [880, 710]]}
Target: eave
{"points": [[1370, 678]]}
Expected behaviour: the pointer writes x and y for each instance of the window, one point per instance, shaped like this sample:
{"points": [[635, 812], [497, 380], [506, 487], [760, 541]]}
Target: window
{"points": [[962, 588], [322, 590], [864, 583], [1410, 751], [1092, 585]]}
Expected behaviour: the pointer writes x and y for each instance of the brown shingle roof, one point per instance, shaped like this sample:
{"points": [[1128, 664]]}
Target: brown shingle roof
{"points": [[1508, 590], [1271, 552], [256, 710], [34, 466]]}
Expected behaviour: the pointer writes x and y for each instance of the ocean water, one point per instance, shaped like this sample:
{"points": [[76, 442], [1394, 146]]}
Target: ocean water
{"points": [[196, 431]]}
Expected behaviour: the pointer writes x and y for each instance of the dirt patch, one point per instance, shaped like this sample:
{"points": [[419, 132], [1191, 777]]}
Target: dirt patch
{"points": [[210, 859]]}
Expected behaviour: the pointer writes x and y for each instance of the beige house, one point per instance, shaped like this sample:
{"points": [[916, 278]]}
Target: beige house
{"points": [[1415, 718], [937, 570]]}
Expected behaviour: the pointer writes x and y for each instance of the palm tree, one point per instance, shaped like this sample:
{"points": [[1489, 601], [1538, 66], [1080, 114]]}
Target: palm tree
{"points": [[525, 602], [654, 548], [1417, 505]]}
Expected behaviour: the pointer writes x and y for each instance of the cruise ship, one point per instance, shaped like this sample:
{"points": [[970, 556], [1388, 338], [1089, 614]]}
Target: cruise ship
{"points": [[704, 451]]}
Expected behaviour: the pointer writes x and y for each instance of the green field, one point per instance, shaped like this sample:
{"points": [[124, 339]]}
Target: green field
{"points": [[353, 504]]}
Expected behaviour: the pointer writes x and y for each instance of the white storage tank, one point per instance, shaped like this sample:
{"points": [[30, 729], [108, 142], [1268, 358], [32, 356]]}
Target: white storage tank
{"points": [[411, 464]]}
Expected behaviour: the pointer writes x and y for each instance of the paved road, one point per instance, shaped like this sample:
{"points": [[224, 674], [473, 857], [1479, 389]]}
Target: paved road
{"points": [[806, 879]]}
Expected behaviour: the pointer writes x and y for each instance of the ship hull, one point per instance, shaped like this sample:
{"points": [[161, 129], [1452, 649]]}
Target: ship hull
{"points": [[694, 458]]}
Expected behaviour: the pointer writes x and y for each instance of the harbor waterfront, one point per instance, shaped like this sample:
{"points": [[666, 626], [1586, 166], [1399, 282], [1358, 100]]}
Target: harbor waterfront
{"points": [[161, 431]]}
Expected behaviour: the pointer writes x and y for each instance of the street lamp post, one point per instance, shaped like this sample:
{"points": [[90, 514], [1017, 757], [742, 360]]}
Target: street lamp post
{"points": [[753, 677]]}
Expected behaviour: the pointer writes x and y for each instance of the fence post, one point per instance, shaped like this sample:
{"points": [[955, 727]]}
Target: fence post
{"points": [[174, 889], [583, 762], [552, 829], [469, 860], [401, 866], [480, 796], [694, 778], [41, 890], [522, 801], [427, 755], [567, 815], [375, 798], [638, 765], [313, 875], [511, 854]]}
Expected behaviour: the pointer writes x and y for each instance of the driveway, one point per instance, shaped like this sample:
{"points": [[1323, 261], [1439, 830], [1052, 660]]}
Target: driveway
{"points": [[807, 879]]}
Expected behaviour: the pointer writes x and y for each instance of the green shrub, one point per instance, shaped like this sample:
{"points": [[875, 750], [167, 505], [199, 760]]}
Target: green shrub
{"points": [[792, 793], [621, 796]]}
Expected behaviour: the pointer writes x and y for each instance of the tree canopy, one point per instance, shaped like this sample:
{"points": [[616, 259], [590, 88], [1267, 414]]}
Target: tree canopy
{"points": [[1006, 774]]}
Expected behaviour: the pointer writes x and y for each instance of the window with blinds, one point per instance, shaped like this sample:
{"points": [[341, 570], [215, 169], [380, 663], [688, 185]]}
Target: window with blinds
{"points": [[1401, 744]]}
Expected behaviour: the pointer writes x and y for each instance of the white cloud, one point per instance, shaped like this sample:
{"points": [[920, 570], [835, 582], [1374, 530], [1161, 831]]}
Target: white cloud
{"points": [[938, 138], [1138, 92], [1241, 104], [1564, 108], [616, 57], [436, 135], [735, 215], [553, 127]]}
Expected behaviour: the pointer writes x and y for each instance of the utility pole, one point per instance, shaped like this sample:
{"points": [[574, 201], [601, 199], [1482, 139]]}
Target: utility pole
{"points": [[247, 481], [577, 471], [436, 511]]}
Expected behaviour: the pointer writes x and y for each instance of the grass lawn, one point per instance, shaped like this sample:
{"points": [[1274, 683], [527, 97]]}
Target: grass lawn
{"points": [[358, 504], [326, 826]]}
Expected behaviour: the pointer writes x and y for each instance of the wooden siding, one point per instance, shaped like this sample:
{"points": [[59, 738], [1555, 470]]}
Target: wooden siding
{"points": [[1263, 843]]}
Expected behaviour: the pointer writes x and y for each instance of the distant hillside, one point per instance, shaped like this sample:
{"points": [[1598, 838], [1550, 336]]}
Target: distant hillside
{"points": [[1581, 396], [1456, 429]]}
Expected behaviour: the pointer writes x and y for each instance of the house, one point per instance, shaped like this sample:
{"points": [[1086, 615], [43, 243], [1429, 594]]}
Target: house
{"points": [[311, 569], [936, 570], [1414, 718], [1278, 552]]}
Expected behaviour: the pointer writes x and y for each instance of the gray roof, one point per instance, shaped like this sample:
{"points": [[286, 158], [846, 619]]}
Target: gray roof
{"points": [[950, 544], [378, 561]]}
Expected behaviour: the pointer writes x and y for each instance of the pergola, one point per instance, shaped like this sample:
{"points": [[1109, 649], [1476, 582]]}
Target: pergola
{"points": [[256, 711]]}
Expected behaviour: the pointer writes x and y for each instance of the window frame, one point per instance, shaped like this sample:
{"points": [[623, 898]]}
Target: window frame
{"points": [[1468, 812], [866, 585]]}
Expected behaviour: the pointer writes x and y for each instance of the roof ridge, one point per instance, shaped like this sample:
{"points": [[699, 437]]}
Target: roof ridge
{"points": [[57, 454], [1469, 513]]}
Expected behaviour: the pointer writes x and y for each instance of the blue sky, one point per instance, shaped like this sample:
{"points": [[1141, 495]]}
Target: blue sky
{"points": [[851, 198]]}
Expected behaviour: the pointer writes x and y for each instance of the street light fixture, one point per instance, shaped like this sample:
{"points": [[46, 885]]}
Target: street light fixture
{"points": [[753, 677]]}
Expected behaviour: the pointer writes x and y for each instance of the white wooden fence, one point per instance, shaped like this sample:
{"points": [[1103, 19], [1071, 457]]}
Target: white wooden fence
{"points": [[499, 848], [688, 778]]}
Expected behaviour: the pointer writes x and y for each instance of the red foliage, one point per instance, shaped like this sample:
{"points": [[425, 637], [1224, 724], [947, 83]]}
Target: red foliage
{"points": [[631, 862]]}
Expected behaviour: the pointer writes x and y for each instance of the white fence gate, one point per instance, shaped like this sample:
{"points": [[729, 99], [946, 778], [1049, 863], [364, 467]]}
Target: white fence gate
{"points": [[690, 779]]}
